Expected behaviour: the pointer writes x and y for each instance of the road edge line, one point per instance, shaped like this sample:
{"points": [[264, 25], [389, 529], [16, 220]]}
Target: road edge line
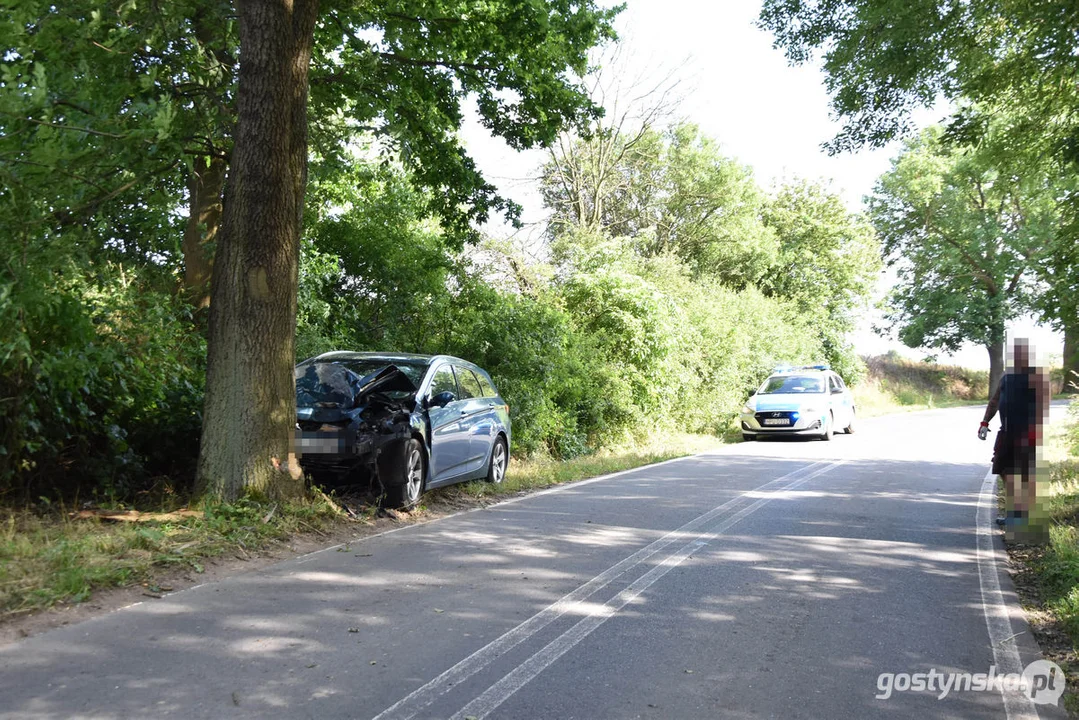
{"points": [[997, 613]]}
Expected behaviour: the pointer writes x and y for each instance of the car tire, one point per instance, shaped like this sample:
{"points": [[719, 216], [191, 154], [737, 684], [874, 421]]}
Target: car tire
{"points": [[849, 430], [748, 438], [402, 471], [500, 460], [827, 434]]}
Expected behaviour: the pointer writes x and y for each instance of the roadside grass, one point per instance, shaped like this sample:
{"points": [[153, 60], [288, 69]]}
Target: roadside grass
{"points": [[1047, 576], [50, 558], [47, 558], [534, 474], [1058, 568]]}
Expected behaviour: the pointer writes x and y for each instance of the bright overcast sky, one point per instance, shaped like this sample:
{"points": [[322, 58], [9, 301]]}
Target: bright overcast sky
{"points": [[740, 91]]}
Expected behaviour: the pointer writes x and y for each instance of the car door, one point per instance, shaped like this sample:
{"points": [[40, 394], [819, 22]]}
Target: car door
{"points": [[449, 433], [479, 417], [839, 401]]}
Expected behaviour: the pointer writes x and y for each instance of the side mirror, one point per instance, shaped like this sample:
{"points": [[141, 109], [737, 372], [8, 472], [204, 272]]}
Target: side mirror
{"points": [[752, 393], [443, 399], [837, 391]]}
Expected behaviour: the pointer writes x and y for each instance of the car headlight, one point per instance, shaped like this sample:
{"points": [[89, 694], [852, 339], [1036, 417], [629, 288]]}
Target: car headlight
{"points": [[747, 409]]}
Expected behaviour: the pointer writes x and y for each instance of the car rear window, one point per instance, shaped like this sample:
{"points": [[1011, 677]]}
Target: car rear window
{"points": [[488, 388], [470, 386]]}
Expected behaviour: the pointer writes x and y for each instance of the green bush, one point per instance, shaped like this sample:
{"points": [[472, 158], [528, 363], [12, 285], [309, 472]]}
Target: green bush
{"points": [[101, 382]]}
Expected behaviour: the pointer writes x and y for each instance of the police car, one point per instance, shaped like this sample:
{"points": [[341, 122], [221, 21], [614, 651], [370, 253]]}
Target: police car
{"points": [[809, 400]]}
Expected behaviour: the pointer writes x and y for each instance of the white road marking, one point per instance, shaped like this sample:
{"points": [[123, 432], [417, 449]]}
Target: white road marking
{"points": [[1005, 651], [420, 698], [498, 693]]}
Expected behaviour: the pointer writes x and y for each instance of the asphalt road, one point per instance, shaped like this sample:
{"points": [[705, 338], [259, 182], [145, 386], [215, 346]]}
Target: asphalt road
{"points": [[769, 579]]}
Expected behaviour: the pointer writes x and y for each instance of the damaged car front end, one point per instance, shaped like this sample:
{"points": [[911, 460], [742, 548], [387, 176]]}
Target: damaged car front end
{"points": [[400, 423], [344, 420]]}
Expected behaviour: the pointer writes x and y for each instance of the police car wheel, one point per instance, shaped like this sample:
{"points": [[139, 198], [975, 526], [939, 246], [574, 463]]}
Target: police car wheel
{"points": [[827, 434]]}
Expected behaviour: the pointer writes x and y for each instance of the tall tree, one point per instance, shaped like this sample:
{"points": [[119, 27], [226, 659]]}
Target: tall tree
{"points": [[827, 263], [964, 237], [669, 191], [513, 58]]}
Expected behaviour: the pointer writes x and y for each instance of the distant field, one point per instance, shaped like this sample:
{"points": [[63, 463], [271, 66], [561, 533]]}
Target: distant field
{"points": [[894, 384]]}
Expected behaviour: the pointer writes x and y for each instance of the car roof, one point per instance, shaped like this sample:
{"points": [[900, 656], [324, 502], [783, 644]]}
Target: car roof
{"points": [[336, 355]]}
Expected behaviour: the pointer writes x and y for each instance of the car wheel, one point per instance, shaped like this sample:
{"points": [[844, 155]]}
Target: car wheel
{"points": [[496, 470], [827, 434], [849, 430], [401, 473], [748, 438]]}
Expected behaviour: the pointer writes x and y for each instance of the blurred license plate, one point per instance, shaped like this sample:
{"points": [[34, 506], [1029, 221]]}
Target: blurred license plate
{"points": [[777, 421], [319, 444]]}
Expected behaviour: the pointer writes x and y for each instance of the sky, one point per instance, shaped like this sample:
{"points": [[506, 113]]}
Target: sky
{"points": [[731, 82]]}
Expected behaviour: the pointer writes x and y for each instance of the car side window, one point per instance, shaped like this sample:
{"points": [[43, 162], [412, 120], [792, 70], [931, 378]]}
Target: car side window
{"points": [[443, 381], [488, 388], [833, 386], [470, 387], [839, 382]]}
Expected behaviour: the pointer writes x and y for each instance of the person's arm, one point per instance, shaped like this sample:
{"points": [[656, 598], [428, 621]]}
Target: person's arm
{"points": [[990, 410]]}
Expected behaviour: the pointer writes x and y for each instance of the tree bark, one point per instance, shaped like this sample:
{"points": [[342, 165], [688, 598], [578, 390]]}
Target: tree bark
{"points": [[250, 405], [1071, 356], [996, 364], [204, 194]]}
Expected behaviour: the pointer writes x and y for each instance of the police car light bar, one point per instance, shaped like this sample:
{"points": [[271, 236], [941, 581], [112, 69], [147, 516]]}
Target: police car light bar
{"points": [[791, 368]]}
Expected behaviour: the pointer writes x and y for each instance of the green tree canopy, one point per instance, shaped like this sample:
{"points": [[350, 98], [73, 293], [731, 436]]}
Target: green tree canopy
{"points": [[964, 235]]}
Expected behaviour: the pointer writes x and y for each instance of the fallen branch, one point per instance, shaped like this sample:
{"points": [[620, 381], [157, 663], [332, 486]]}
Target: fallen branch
{"points": [[135, 516]]}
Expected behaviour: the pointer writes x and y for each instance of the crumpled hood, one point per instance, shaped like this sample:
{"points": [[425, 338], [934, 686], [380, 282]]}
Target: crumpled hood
{"points": [[786, 401]]}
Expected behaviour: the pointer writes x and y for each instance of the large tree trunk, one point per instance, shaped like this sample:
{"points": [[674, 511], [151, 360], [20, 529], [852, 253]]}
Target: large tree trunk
{"points": [[204, 194], [1071, 356], [996, 364], [250, 406]]}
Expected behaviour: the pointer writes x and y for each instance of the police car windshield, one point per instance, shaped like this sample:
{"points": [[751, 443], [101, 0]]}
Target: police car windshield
{"points": [[792, 384]]}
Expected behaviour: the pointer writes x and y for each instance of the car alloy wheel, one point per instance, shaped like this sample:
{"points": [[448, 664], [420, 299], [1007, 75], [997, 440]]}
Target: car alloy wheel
{"points": [[413, 475], [497, 472]]}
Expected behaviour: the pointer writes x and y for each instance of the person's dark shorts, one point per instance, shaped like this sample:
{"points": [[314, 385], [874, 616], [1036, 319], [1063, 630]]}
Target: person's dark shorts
{"points": [[1012, 456]]}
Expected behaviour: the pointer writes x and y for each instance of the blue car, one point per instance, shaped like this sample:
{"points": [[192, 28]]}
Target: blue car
{"points": [[406, 423]]}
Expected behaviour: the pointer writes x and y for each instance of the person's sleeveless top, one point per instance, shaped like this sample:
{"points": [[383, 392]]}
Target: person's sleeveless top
{"points": [[1018, 403]]}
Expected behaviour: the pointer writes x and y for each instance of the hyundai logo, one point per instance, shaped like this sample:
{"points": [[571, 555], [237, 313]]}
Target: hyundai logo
{"points": [[777, 414]]}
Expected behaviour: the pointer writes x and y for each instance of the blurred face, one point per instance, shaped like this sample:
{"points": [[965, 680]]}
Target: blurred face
{"points": [[1021, 354]]}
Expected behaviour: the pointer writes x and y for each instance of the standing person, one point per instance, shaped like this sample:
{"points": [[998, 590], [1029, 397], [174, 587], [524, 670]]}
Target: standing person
{"points": [[1022, 397]]}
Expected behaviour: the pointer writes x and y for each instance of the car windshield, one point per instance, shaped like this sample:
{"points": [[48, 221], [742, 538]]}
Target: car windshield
{"points": [[325, 385], [413, 370], [336, 383], [792, 384]]}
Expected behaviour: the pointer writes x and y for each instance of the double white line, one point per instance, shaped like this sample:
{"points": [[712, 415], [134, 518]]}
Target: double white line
{"points": [[695, 534]]}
